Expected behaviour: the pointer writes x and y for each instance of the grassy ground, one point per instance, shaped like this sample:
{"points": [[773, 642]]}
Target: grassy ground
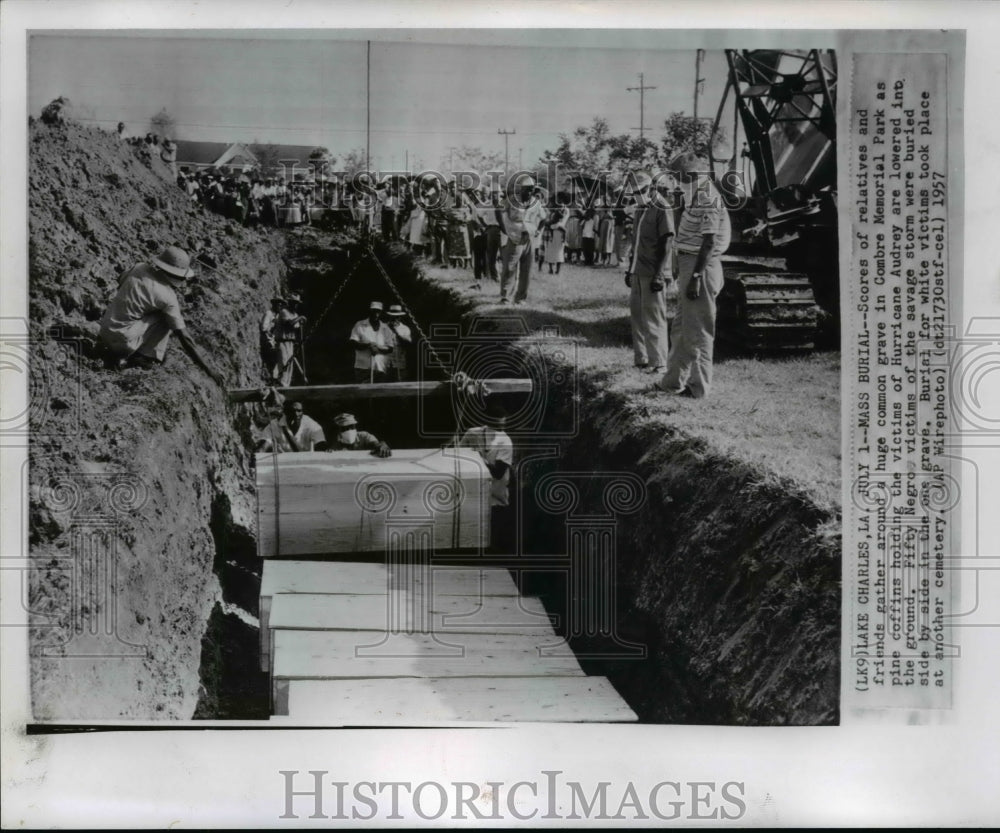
{"points": [[782, 415]]}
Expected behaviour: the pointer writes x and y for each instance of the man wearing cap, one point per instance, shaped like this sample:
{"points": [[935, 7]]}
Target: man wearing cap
{"points": [[287, 333], [294, 431], [349, 438], [137, 324], [703, 235], [521, 219], [373, 343], [495, 447], [402, 340], [649, 271]]}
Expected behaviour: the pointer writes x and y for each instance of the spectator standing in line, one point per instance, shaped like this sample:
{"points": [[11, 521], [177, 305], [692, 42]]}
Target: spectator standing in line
{"points": [[136, 326], [574, 240], [703, 235], [555, 245], [521, 219], [588, 235], [650, 270]]}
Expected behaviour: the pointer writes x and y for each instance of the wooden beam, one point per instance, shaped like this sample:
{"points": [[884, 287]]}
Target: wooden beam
{"points": [[323, 393]]}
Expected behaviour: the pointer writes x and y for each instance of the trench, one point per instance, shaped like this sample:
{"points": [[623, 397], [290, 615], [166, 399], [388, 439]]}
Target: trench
{"points": [[721, 604]]}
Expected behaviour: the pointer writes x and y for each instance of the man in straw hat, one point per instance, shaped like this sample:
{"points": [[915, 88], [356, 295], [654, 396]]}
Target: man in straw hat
{"points": [[703, 235], [137, 324], [650, 269], [402, 339], [287, 334], [373, 343]]}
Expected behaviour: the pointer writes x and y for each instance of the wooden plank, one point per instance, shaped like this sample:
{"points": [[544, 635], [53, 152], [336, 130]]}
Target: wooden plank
{"points": [[445, 699], [313, 655], [358, 578], [350, 501], [382, 390], [411, 612]]}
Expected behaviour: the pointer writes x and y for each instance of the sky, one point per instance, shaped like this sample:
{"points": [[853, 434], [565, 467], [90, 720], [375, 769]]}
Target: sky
{"points": [[431, 90]]}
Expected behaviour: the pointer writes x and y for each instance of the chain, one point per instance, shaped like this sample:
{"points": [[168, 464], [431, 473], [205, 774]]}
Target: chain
{"points": [[333, 300], [409, 312]]}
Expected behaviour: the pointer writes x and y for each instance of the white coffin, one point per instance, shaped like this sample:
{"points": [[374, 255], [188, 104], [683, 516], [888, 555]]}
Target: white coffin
{"points": [[417, 501]]}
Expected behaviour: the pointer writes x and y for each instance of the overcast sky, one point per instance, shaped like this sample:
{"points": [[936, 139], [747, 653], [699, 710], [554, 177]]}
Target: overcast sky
{"points": [[425, 96]]}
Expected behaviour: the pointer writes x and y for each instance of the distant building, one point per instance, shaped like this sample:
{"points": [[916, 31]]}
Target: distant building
{"points": [[237, 157]]}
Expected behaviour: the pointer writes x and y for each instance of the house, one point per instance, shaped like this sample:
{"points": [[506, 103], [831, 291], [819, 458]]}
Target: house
{"points": [[237, 157]]}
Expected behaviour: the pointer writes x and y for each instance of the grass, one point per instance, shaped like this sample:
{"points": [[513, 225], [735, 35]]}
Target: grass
{"points": [[780, 415]]}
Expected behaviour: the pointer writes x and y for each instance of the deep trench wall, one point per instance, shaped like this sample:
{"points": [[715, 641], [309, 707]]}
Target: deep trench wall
{"points": [[729, 577], [157, 454]]}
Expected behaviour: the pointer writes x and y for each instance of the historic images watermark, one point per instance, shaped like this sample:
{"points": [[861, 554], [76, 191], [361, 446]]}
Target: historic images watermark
{"points": [[314, 794]]}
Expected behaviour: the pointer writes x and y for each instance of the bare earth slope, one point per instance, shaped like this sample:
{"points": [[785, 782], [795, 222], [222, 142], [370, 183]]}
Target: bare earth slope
{"points": [[127, 467]]}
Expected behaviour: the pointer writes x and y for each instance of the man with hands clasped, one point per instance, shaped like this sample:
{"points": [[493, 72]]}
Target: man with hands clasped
{"points": [[650, 270]]}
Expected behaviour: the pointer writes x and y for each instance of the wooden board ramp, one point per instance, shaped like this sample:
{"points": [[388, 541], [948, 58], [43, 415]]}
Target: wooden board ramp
{"points": [[423, 700], [376, 390], [349, 643]]}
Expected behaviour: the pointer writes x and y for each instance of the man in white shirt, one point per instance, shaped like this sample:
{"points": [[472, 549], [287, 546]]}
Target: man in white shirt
{"points": [[373, 343], [521, 219], [703, 235], [294, 431], [136, 326], [497, 450], [403, 339]]}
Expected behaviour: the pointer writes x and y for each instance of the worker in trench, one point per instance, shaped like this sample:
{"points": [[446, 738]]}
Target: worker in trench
{"points": [[374, 342], [289, 428], [136, 326], [288, 326], [496, 449], [349, 438], [269, 362]]}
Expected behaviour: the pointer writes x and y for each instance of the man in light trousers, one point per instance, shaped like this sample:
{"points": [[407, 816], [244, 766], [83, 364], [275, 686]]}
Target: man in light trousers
{"points": [[649, 271], [521, 219], [703, 235]]}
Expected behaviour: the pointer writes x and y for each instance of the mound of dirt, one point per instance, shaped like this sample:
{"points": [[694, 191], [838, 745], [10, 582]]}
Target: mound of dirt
{"points": [[129, 469]]}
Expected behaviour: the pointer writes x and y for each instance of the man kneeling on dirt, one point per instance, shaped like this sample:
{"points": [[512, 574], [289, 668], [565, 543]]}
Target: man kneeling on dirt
{"points": [[349, 438], [136, 326]]}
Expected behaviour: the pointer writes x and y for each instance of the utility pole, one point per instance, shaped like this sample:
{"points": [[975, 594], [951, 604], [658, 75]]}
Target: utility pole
{"points": [[505, 133], [642, 103], [519, 165], [406, 164], [368, 107], [698, 80]]}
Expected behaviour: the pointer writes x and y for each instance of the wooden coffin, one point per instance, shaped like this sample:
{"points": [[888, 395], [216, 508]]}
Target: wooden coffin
{"points": [[418, 500]]}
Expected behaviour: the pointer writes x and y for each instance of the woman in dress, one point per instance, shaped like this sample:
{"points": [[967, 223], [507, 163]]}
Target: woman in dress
{"points": [[606, 236], [574, 241], [555, 246]]}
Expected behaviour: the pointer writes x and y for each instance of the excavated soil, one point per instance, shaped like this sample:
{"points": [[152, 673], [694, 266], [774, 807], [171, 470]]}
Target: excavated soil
{"points": [[135, 476]]}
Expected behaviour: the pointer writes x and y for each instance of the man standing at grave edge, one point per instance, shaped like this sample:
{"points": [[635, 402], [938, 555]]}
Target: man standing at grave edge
{"points": [[703, 235], [648, 273]]}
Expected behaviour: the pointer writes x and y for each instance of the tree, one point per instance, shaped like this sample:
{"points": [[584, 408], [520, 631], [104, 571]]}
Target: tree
{"points": [[321, 160], [466, 158], [684, 134], [353, 162], [268, 158], [163, 123]]}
